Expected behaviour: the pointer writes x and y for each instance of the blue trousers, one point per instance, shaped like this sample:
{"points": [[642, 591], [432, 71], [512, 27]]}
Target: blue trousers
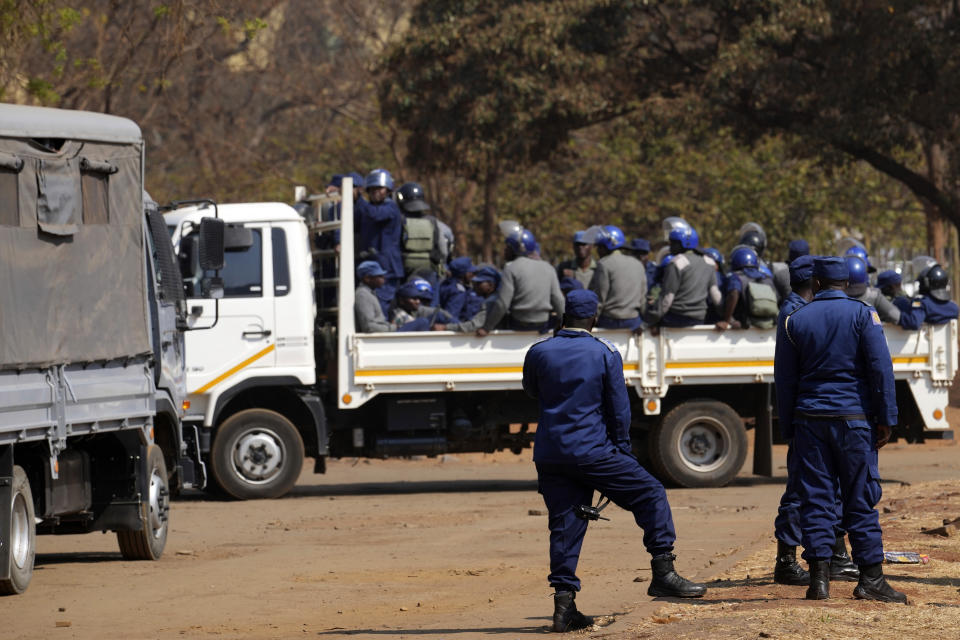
{"points": [[832, 455], [671, 319], [606, 322], [786, 526], [619, 477]]}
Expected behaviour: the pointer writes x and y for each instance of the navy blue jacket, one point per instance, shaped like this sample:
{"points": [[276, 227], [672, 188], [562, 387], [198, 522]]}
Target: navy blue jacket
{"points": [[584, 407], [380, 227], [832, 360], [453, 298], [790, 304], [926, 309]]}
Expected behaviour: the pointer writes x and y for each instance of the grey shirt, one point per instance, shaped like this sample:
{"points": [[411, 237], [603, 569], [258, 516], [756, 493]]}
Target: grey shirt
{"points": [[369, 313], [781, 279], [529, 291], [620, 282], [688, 281], [581, 275], [887, 311]]}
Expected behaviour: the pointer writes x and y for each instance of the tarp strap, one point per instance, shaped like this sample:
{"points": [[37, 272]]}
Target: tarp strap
{"points": [[97, 166], [10, 162]]}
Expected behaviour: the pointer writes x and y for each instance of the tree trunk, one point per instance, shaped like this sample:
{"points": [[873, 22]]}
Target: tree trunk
{"points": [[937, 230], [489, 213]]}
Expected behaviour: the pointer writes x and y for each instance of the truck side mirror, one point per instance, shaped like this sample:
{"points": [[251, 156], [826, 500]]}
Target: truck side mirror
{"points": [[212, 236], [211, 288]]}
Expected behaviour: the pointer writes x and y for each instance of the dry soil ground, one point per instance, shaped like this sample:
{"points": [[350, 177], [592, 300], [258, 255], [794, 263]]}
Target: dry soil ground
{"points": [[457, 548]]}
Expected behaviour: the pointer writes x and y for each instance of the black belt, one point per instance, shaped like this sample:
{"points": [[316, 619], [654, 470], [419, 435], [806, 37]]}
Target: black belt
{"points": [[832, 416]]}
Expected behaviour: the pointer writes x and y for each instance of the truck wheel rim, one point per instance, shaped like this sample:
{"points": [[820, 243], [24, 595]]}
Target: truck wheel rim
{"points": [[258, 455], [159, 504], [703, 444], [20, 532]]}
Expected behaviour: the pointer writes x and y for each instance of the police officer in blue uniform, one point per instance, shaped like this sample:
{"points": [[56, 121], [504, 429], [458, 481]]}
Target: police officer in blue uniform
{"points": [[933, 305], [454, 290], [786, 526], [836, 399], [379, 226], [583, 445]]}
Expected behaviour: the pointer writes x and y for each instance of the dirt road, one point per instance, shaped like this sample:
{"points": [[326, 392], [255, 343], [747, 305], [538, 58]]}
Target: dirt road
{"points": [[443, 548]]}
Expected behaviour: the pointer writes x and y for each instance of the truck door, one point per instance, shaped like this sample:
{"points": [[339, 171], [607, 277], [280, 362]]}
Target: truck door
{"points": [[242, 341], [292, 299]]}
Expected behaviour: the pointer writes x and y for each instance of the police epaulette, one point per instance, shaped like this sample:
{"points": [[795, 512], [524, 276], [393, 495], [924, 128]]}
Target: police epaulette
{"points": [[606, 342]]}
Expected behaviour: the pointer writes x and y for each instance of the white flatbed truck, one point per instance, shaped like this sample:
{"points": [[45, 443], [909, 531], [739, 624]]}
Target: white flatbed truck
{"points": [[282, 378]]}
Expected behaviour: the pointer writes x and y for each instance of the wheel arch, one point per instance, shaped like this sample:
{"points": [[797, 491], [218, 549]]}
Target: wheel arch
{"points": [[285, 396]]}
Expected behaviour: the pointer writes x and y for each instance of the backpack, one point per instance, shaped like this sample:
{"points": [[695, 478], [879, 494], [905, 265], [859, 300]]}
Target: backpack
{"points": [[420, 250], [760, 303]]}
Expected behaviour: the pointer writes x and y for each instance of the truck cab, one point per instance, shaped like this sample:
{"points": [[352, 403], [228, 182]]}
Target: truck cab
{"points": [[251, 377]]}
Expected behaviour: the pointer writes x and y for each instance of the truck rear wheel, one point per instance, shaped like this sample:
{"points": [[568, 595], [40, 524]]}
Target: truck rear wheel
{"points": [[700, 443], [148, 543], [256, 453], [22, 536]]}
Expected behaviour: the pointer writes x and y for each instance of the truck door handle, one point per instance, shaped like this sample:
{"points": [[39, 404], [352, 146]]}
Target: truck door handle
{"points": [[257, 334]]}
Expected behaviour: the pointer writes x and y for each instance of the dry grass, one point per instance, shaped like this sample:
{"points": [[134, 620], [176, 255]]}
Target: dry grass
{"points": [[745, 602]]}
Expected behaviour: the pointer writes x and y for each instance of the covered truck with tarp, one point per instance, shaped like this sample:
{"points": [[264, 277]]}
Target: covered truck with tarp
{"points": [[91, 355]]}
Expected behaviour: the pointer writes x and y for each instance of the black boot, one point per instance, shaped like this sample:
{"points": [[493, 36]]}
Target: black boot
{"points": [[873, 586], [788, 570], [819, 588], [565, 614], [667, 582], [841, 566]]}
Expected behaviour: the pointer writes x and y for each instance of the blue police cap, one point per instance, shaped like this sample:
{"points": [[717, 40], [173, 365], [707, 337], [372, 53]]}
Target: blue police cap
{"points": [[370, 268], [460, 266], [798, 248], [887, 278], [486, 274], [830, 268], [568, 284], [408, 290], [357, 179], [639, 244], [336, 180], [580, 237], [801, 269], [581, 303]]}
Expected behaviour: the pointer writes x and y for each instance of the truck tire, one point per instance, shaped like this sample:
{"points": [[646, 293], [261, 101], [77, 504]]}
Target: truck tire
{"points": [[700, 443], [148, 543], [256, 453], [22, 536]]}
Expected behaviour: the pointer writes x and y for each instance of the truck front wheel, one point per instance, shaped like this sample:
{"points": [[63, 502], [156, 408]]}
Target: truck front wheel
{"points": [[148, 543], [22, 536], [700, 443], [256, 453]]}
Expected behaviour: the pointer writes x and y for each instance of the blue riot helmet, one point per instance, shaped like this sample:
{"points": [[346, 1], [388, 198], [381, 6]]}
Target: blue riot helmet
{"points": [[753, 235], [411, 199], [742, 257], [378, 178], [861, 253], [667, 259], [933, 283], [424, 289], [610, 238], [715, 254], [686, 237], [671, 223], [857, 267], [521, 241]]}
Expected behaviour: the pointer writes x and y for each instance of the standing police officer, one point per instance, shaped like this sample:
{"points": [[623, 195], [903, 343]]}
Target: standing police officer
{"points": [[619, 281], [836, 399], [786, 526], [582, 265], [860, 289], [583, 445], [379, 225]]}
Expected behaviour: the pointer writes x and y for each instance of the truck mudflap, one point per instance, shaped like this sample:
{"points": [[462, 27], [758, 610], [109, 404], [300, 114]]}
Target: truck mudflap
{"points": [[6, 497]]}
